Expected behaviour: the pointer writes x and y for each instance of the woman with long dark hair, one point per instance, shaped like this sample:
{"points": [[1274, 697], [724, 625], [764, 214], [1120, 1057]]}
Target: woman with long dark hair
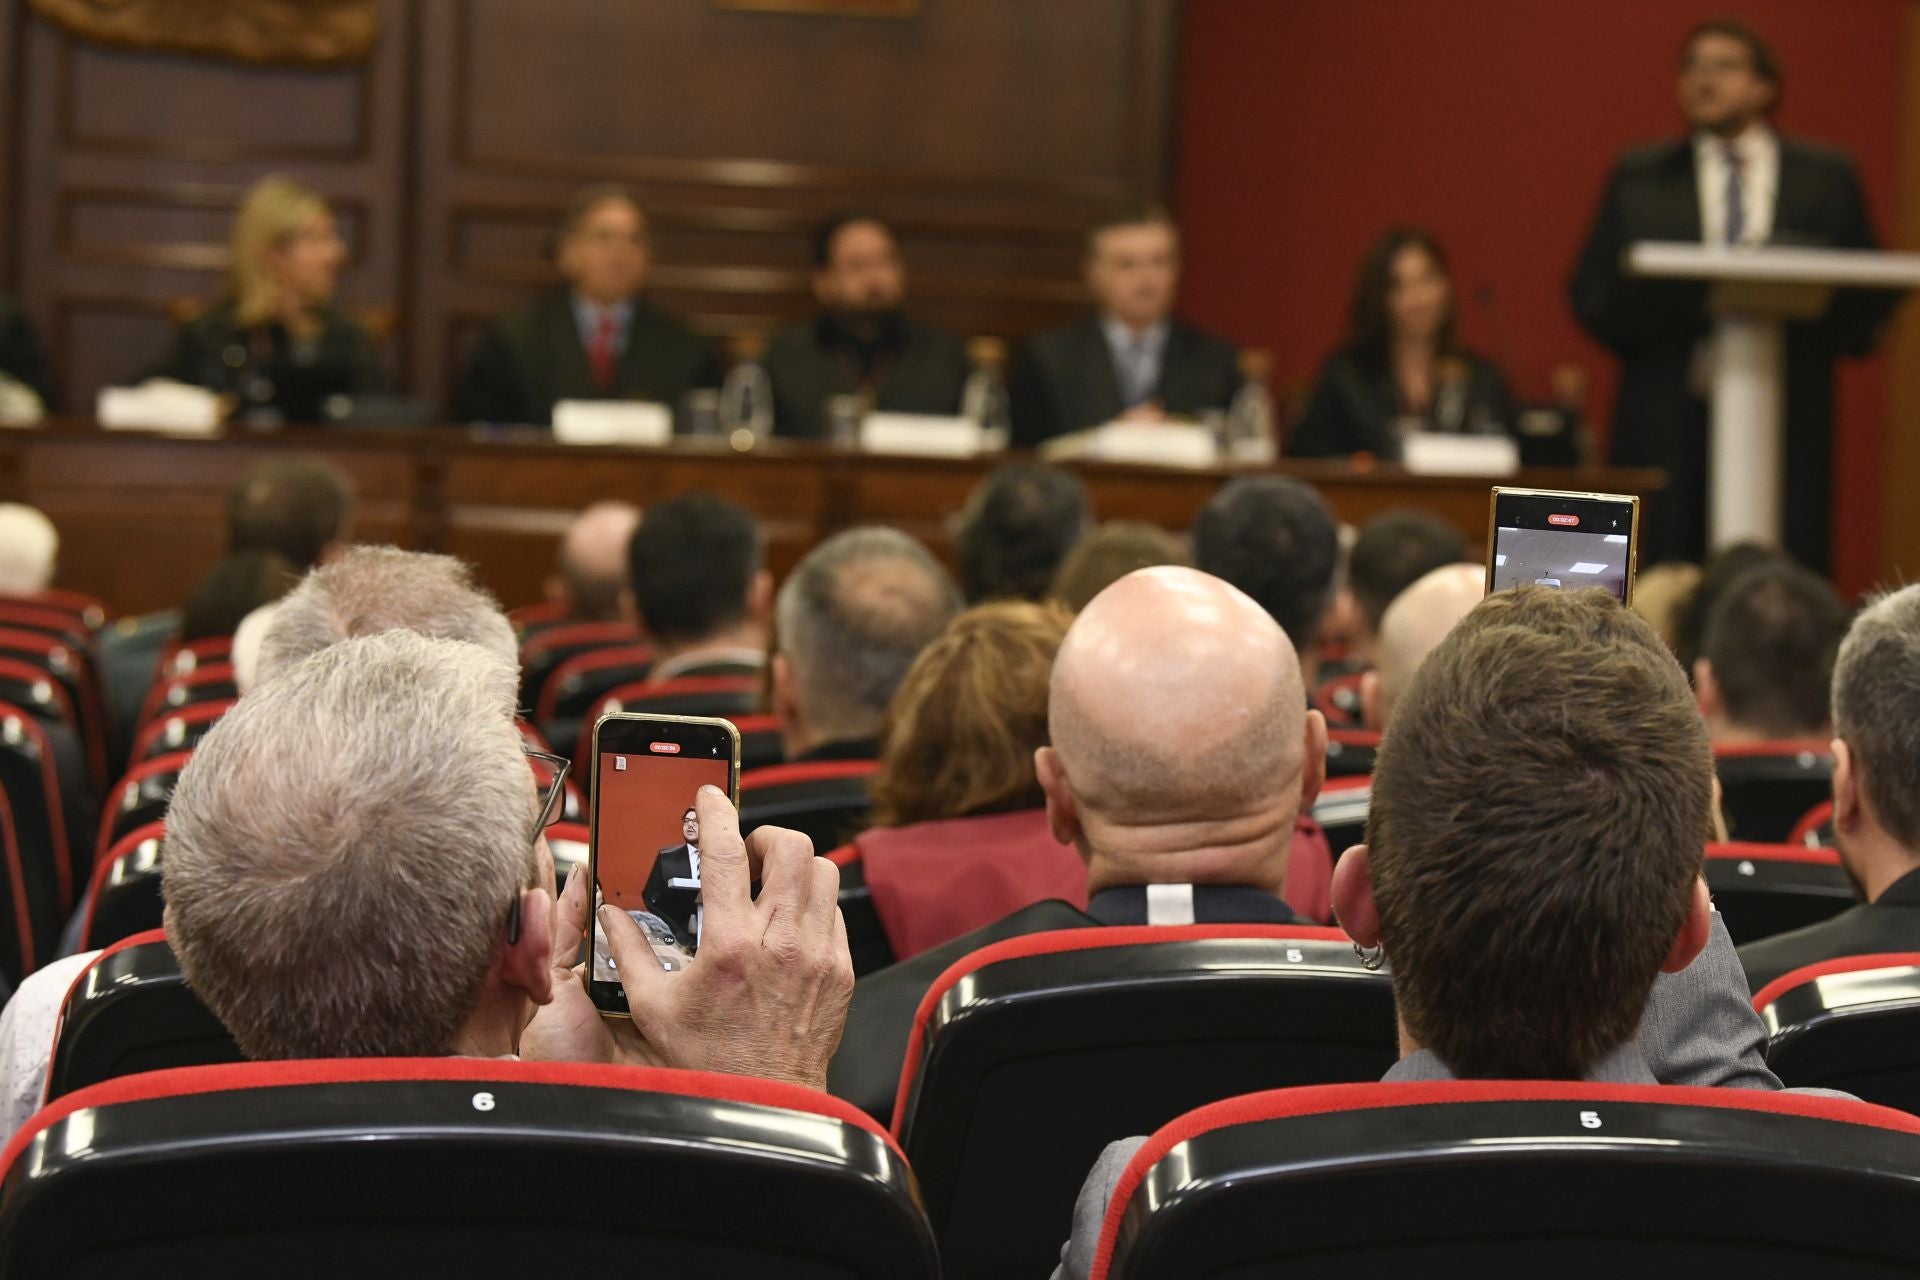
{"points": [[1401, 369]]}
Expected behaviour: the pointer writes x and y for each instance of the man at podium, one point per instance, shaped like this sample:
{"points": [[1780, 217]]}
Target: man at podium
{"points": [[1732, 181]]}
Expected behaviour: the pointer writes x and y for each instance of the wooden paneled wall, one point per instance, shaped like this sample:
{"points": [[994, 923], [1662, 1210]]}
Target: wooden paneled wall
{"points": [[989, 130]]}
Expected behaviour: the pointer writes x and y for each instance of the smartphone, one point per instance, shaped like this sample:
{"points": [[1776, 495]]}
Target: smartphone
{"points": [[643, 846], [1563, 541]]}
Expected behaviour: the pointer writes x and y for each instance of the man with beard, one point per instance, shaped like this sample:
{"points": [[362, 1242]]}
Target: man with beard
{"points": [[861, 342]]}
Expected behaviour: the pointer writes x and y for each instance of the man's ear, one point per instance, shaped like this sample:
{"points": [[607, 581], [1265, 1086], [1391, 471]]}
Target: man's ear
{"points": [[1694, 930], [1313, 770], [526, 963], [1063, 814], [1706, 690], [1370, 701], [760, 598], [1849, 800], [782, 696], [1353, 904]]}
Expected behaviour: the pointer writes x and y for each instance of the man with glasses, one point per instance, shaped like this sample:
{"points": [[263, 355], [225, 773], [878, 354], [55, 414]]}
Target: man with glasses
{"points": [[597, 337], [1731, 181]]}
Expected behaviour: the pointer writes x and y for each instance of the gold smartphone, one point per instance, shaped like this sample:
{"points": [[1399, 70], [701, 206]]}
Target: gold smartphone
{"points": [[643, 848], [1563, 541]]}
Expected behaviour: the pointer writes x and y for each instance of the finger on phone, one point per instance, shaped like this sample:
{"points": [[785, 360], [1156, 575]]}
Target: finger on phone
{"points": [[570, 919], [786, 861], [725, 881], [640, 972], [823, 897]]}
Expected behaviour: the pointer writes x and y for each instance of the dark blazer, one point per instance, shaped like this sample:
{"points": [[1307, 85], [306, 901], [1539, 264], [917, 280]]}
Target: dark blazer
{"points": [[1655, 326], [1064, 381], [1890, 923], [866, 1069], [212, 350], [21, 356], [674, 905], [531, 358], [923, 371], [1356, 403]]}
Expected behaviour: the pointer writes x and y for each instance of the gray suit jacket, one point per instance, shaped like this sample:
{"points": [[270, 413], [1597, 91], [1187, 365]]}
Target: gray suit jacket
{"points": [[1699, 1028]]}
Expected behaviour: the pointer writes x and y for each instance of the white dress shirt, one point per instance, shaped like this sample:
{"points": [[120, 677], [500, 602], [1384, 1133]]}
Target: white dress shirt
{"points": [[1759, 152], [26, 1038]]}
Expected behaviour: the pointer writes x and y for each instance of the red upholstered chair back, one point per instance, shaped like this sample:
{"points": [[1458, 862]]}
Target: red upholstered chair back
{"points": [[139, 798], [1815, 828], [177, 730], [1520, 1178], [1030, 1055], [583, 679], [41, 817], [123, 897], [208, 682], [826, 799], [245, 1168], [542, 652], [1764, 889], [1851, 1024]]}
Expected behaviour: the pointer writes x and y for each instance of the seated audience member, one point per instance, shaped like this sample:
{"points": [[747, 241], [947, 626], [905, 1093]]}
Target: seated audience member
{"points": [[591, 577], [1182, 753], [1132, 358], [1109, 553], [29, 550], [22, 359], [1019, 524], [1413, 627], [1528, 925], [1766, 665], [1720, 571], [597, 337], [1876, 796], [852, 617], [960, 834], [1274, 538], [861, 341], [321, 956], [275, 342], [240, 584], [1401, 369], [1663, 595], [696, 567], [1392, 552]]}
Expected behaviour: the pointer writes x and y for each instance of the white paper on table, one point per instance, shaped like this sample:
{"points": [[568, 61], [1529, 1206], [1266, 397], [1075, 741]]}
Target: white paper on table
{"points": [[159, 404], [926, 434], [1436, 453], [612, 422], [1159, 444]]}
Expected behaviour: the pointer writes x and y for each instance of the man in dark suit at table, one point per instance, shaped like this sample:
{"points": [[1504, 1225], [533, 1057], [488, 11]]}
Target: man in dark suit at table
{"points": [[673, 886], [595, 338], [1731, 181], [1132, 358], [862, 342]]}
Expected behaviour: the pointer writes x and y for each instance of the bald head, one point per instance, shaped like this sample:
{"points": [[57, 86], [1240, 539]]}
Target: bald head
{"points": [[1414, 625], [593, 560], [1180, 733]]}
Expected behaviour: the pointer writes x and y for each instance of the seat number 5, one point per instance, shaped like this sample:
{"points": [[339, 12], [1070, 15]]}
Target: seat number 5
{"points": [[1589, 1119], [1295, 955], [483, 1102]]}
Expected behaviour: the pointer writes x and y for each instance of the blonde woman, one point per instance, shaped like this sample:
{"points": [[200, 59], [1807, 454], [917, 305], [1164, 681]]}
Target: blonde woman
{"points": [[274, 341]]}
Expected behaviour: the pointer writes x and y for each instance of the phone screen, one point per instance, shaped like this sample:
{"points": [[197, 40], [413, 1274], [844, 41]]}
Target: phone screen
{"points": [[1563, 541], [645, 842]]}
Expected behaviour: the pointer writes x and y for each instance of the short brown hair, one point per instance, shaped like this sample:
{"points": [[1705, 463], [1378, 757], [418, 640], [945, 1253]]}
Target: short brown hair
{"points": [[1536, 826], [1110, 553], [963, 728], [1759, 52], [1130, 213], [1771, 639]]}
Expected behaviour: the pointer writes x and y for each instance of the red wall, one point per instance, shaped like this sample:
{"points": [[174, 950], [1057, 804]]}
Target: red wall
{"points": [[1308, 126]]}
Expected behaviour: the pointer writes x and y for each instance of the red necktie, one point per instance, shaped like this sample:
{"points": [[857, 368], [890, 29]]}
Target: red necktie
{"points": [[601, 355]]}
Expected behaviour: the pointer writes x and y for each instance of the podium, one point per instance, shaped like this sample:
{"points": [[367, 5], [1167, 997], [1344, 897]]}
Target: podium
{"points": [[1756, 290]]}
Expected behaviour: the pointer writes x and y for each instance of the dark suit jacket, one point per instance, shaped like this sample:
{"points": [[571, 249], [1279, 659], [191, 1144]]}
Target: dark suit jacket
{"points": [[673, 905], [530, 358], [866, 1069], [212, 350], [1356, 402], [1890, 923], [1654, 327], [1064, 381], [923, 371], [20, 354]]}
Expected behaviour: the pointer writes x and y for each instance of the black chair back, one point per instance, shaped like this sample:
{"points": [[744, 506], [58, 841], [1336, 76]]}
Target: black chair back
{"points": [[131, 1011], [1851, 1024], [828, 800], [1767, 787], [1764, 889]]}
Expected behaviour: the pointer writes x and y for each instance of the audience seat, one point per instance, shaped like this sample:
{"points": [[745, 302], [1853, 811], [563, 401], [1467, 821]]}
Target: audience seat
{"points": [[826, 799], [79, 763], [760, 743], [1764, 889], [131, 1011], [722, 696], [1338, 700], [140, 798], [1341, 811], [74, 670], [88, 612], [181, 660], [208, 682], [480, 1167], [530, 619], [1350, 752], [27, 613], [1767, 786], [177, 730], [1815, 828], [867, 940], [21, 938], [581, 681], [1030, 1055], [1499, 1178], [543, 652], [1851, 1024], [52, 853], [124, 896]]}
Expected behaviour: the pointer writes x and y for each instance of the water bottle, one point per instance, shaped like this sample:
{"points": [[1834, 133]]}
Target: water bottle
{"points": [[746, 397], [983, 400], [1249, 430]]}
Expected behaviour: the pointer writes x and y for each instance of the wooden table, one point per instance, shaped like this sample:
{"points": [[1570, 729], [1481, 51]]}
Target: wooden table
{"points": [[143, 517]]}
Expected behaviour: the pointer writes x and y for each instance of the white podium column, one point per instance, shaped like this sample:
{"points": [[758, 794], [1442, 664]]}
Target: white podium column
{"points": [[1749, 417]]}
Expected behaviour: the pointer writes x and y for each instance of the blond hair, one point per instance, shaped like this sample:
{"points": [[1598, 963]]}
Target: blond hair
{"points": [[274, 211], [342, 850], [962, 730]]}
